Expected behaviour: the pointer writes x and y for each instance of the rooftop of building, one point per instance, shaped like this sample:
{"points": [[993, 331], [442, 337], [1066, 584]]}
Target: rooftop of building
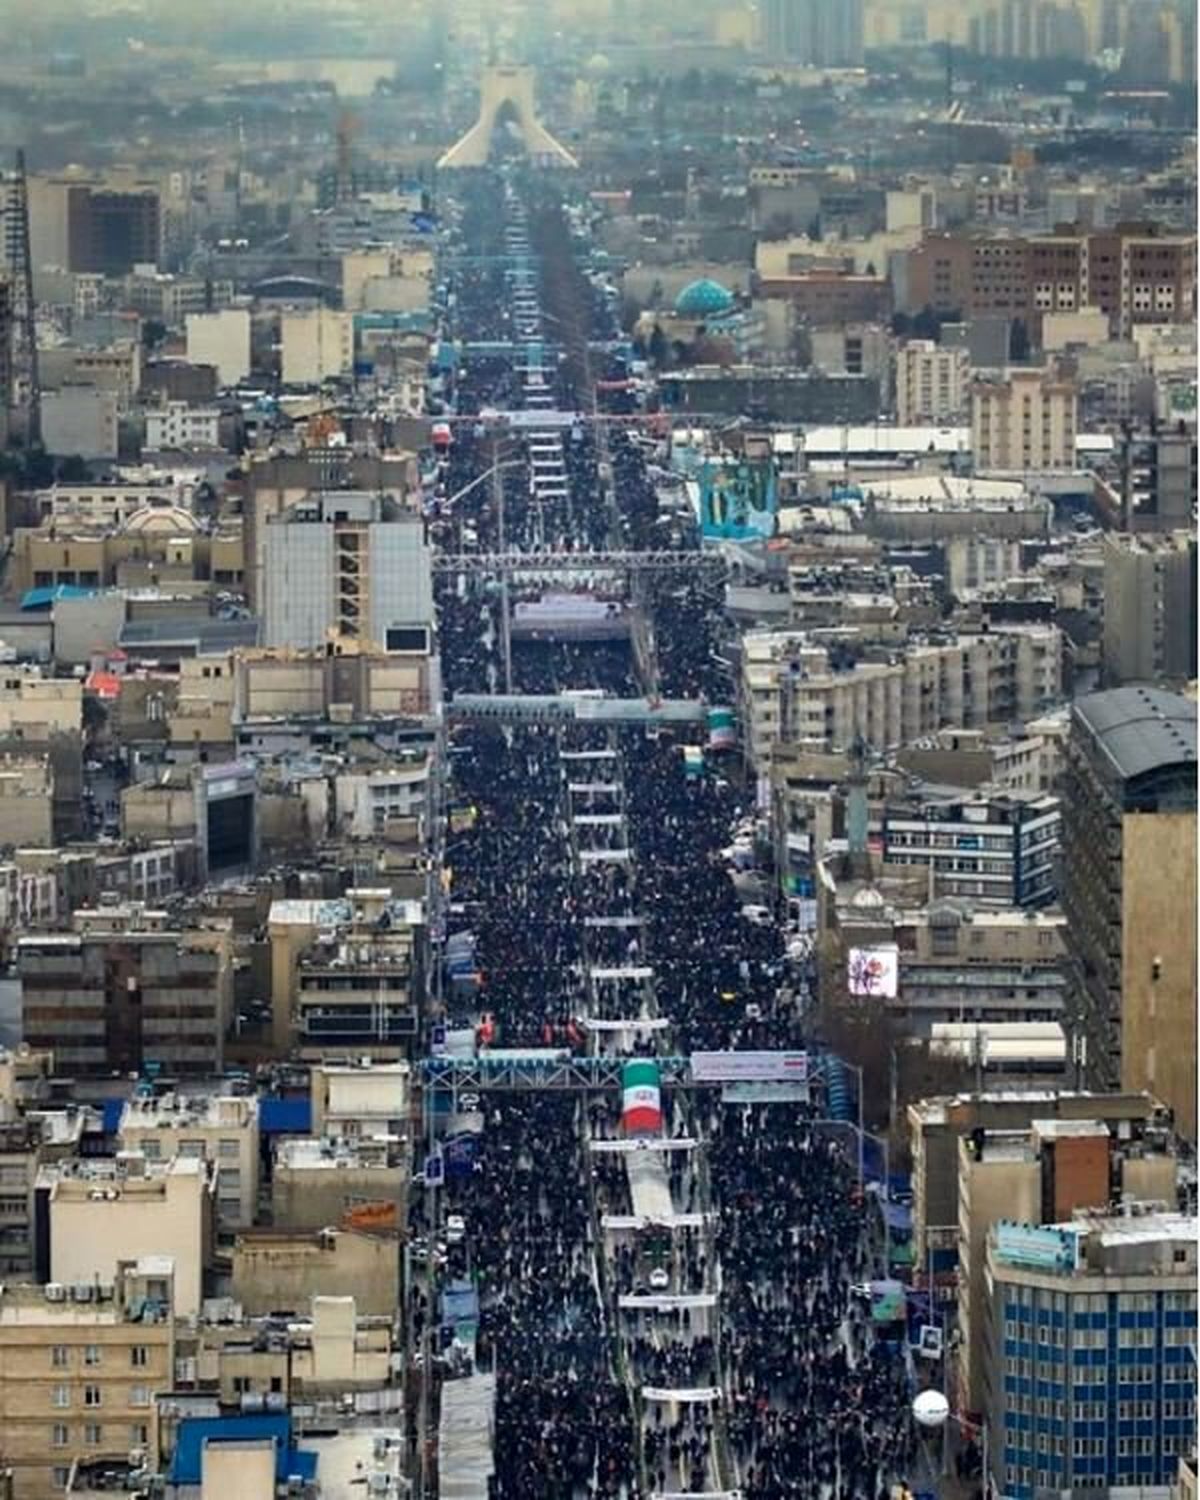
{"points": [[953, 492], [1140, 729], [936, 1111], [207, 637], [996, 1148], [1069, 1129], [183, 1112], [323, 1154], [109, 1177], [362, 1067], [864, 441], [89, 1303]]}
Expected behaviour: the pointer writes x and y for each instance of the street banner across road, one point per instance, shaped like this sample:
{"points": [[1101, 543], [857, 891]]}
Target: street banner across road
{"points": [[749, 1067]]}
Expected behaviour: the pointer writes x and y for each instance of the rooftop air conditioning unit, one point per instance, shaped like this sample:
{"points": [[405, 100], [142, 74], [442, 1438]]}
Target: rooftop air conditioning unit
{"points": [[55, 1291]]}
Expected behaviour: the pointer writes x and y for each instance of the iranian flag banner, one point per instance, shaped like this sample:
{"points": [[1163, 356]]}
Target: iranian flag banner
{"points": [[641, 1104]]}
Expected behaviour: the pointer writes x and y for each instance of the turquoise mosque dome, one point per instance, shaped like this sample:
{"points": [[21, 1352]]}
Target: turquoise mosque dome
{"points": [[703, 299]]}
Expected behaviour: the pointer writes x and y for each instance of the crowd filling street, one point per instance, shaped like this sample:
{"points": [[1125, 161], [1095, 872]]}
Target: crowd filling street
{"points": [[717, 1348]]}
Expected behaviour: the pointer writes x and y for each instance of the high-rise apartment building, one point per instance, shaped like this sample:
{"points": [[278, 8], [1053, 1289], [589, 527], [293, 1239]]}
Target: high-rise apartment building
{"points": [[128, 987], [351, 565], [817, 33], [1040, 1175], [1134, 273], [317, 345], [1089, 1378], [931, 383], [1024, 422], [111, 231], [222, 1130], [994, 851], [793, 691], [1149, 608], [80, 1365], [1129, 891]]}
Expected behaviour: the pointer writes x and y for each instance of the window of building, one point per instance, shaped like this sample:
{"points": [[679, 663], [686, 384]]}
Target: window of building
{"points": [[139, 1434], [91, 1354], [139, 1356], [93, 1434], [61, 1477], [91, 1395], [61, 1395], [60, 1356], [139, 1395], [60, 1435]]}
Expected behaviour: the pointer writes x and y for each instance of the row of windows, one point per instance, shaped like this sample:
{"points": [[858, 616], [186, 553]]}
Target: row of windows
{"points": [[94, 1436], [60, 1396], [93, 1354]]}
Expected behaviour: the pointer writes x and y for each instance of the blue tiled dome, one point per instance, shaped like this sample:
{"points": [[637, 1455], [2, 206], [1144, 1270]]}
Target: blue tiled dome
{"points": [[703, 299]]}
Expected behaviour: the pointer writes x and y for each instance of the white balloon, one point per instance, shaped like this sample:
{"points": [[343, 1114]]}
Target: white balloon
{"points": [[930, 1409]]}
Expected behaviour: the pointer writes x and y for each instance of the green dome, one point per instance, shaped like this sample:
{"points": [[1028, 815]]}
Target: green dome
{"points": [[703, 299]]}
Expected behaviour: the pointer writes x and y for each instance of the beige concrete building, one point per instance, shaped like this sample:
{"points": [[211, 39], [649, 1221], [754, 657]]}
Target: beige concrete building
{"points": [[1149, 608], [219, 1129], [360, 1099], [33, 707], [158, 546], [284, 684], [330, 1350], [931, 383], [998, 1178], [79, 1369], [274, 1270], [221, 339], [102, 1212], [1025, 422], [320, 1183], [936, 1127], [26, 801], [1129, 890], [203, 710], [342, 982], [792, 693], [317, 345], [959, 965]]}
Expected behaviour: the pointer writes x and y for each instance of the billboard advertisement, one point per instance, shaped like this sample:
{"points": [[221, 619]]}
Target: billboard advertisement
{"points": [[874, 972], [750, 1067], [1038, 1249], [737, 500]]}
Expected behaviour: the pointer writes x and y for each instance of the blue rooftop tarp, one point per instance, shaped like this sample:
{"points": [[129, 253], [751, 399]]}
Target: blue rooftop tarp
{"points": [[43, 598], [111, 1111], [285, 1116], [194, 1432]]}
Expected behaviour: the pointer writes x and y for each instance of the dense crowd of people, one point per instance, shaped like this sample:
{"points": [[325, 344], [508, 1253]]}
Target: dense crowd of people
{"points": [[814, 1400], [568, 864]]}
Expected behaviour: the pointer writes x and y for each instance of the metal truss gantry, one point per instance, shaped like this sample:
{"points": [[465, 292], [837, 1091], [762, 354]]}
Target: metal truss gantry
{"points": [[665, 561]]}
